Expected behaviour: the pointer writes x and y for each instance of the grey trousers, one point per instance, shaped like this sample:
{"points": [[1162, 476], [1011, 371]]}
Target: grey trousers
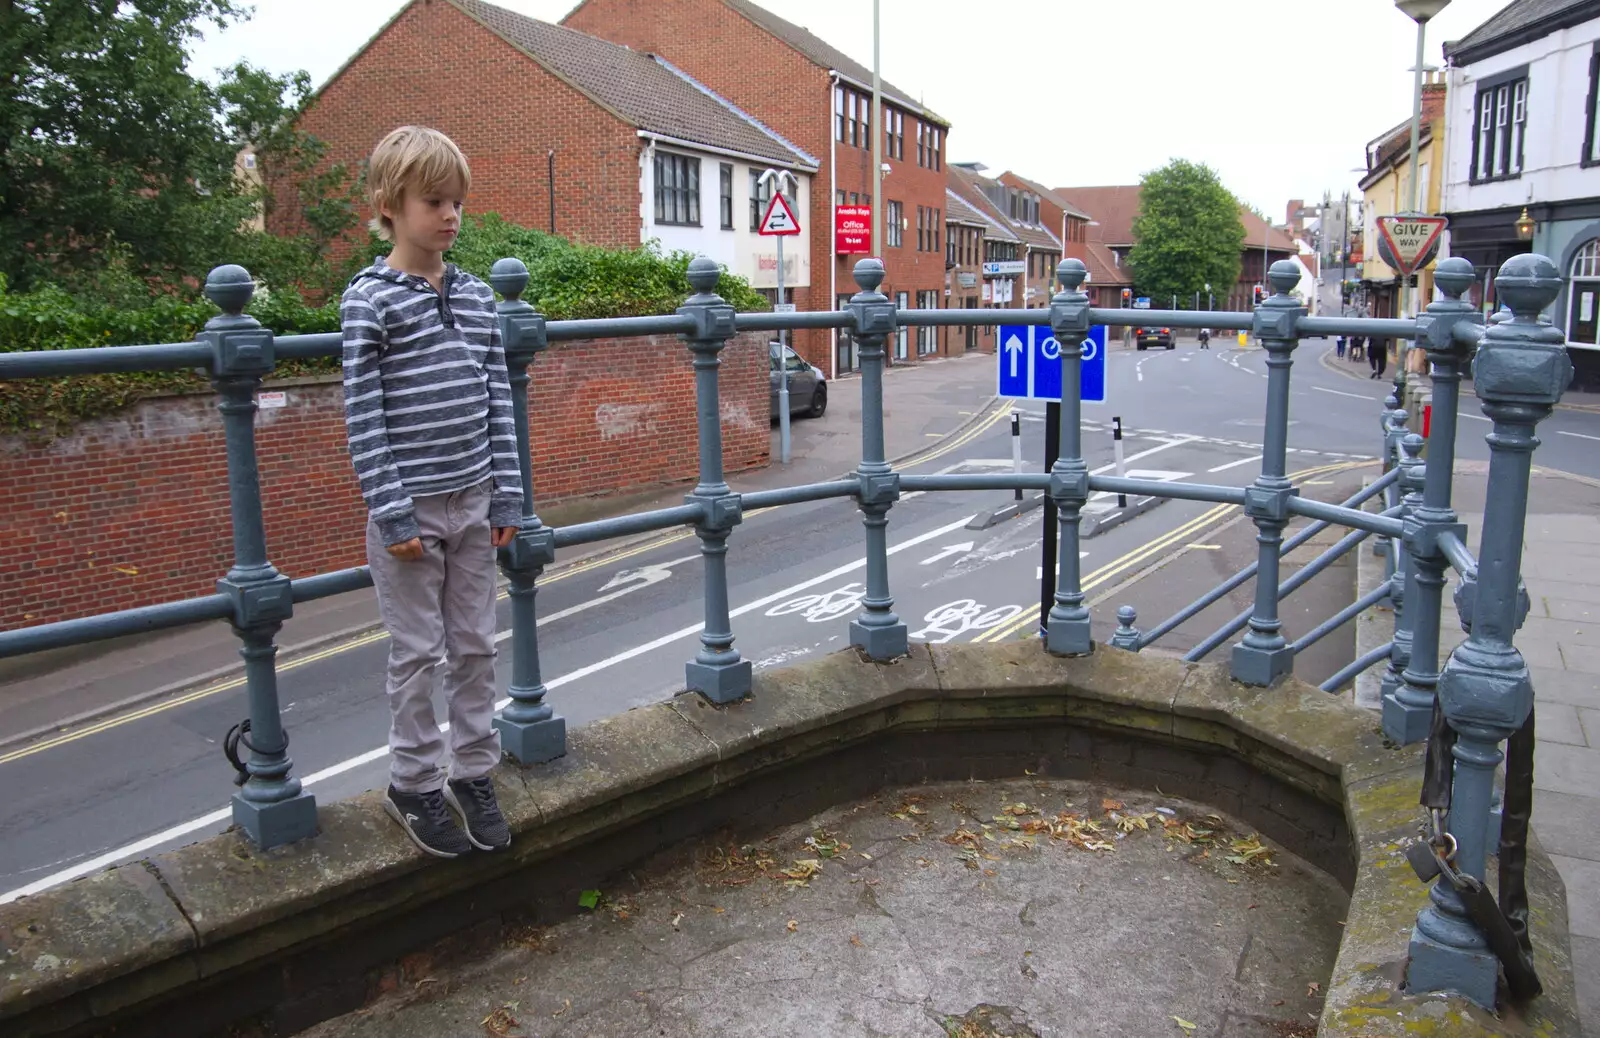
{"points": [[441, 604]]}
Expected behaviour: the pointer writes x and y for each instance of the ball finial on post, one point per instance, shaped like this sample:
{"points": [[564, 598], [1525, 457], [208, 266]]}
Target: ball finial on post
{"points": [[230, 287], [1071, 273], [1454, 276], [704, 273], [869, 274], [509, 277], [1283, 277], [1528, 284]]}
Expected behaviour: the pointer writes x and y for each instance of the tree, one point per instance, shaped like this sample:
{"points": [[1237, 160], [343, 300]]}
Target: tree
{"points": [[1187, 233], [114, 158]]}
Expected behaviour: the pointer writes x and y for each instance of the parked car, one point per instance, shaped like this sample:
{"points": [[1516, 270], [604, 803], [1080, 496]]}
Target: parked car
{"points": [[808, 387], [1147, 336]]}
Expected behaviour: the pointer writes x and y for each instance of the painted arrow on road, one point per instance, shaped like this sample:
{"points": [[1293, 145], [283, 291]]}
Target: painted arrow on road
{"points": [[947, 551], [626, 582]]}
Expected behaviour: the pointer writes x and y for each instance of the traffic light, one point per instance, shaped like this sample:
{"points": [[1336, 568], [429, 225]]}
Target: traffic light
{"points": [[1127, 296], [1260, 294]]}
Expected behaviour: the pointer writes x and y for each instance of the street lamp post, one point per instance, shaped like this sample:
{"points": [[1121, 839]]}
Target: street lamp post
{"points": [[1421, 12]]}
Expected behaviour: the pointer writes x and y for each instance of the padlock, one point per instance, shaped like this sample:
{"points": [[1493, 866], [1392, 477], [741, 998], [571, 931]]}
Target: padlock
{"points": [[1423, 861]]}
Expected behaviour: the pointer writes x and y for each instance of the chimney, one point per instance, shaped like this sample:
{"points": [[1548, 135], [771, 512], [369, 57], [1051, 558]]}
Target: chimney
{"points": [[1433, 91]]}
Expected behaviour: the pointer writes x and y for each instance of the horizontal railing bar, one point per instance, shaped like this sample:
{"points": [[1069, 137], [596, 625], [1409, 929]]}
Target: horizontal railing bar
{"points": [[308, 347], [1382, 327], [1459, 554], [1173, 490], [1467, 333], [96, 360], [114, 625], [1384, 524], [798, 495], [325, 585], [619, 327], [1339, 619], [978, 481], [1172, 622], [1130, 318], [1372, 658], [771, 322], [1285, 589], [959, 318], [621, 526]]}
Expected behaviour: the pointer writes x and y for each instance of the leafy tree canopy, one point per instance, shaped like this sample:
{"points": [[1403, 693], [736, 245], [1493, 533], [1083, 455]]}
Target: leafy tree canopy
{"points": [[1187, 233], [116, 162]]}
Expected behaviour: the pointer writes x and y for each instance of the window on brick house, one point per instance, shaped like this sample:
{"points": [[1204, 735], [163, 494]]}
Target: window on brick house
{"points": [[677, 189], [938, 148], [838, 114], [841, 198], [893, 225], [866, 121], [921, 227], [894, 135], [938, 217], [1502, 117], [855, 120], [922, 146], [725, 195], [950, 251], [927, 336], [761, 194]]}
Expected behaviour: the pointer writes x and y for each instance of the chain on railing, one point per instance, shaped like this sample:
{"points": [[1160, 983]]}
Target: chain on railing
{"points": [[1480, 697]]}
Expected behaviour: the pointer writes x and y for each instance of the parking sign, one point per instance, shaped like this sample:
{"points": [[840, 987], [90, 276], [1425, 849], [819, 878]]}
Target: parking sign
{"points": [[1030, 364]]}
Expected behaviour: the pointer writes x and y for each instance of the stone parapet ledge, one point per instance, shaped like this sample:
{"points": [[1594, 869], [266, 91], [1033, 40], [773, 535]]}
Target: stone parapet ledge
{"points": [[215, 934]]}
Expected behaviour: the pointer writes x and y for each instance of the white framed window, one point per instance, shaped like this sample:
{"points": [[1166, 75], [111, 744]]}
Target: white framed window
{"points": [[677, 189], [1586, 263], [838, 113], [1502, 106]]}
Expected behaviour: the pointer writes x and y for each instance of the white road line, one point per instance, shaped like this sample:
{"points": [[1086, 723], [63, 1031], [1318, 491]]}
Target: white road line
{"points": [[1235, 464], [1476, 417], [217, 817], [1563, 432], [1353, 396]]}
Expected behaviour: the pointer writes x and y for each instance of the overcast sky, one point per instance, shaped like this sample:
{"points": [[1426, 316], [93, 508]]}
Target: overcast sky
{"points": [[1279, 96]]}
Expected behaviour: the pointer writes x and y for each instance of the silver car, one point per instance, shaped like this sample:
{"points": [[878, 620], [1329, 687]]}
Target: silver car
{"points": [[808, 387]]}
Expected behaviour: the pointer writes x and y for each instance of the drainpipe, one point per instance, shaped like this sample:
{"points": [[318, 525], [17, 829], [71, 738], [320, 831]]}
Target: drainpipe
{"points": [[833, 229]]}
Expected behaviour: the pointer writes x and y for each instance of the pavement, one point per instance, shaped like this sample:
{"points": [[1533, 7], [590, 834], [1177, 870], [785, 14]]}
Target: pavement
{"points": [[1023, 908]]}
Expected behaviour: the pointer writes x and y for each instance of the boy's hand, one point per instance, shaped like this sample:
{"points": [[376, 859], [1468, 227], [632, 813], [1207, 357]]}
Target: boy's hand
{"points": [[407, 551], [501, 536]]}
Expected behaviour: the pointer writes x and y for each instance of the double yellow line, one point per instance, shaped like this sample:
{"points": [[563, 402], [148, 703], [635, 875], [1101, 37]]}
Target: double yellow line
{"points": [[373, 637], [1028, 619]]}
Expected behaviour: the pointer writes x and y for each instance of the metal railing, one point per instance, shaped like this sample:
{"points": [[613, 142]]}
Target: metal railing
{"points": [[1480, 697]]}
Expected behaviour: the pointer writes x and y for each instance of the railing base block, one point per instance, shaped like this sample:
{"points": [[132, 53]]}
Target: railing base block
{"points": [[720, 684], [278, 822], [1469, 972], [533, 742], [881, 643], [1405, 723], [1068, 637], [1260, 667]]}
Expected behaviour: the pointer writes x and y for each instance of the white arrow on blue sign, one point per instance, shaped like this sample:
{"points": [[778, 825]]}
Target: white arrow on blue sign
{"points": [[1030, 364]]}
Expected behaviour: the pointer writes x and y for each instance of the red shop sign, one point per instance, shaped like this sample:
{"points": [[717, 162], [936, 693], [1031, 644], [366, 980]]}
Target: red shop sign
{"points": [[852, 226]]}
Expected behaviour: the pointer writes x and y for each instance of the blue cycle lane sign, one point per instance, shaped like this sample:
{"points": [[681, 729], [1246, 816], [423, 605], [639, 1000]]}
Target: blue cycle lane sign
{"points": [[1030, 363]]}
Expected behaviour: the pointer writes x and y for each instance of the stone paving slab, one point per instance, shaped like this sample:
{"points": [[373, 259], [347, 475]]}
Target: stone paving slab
{"points": [[931, 911]]}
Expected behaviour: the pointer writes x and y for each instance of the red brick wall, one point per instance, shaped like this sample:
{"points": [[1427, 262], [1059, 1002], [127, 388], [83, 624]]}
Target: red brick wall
{"points": [[793, 96], [132, 509], [436, 67]]}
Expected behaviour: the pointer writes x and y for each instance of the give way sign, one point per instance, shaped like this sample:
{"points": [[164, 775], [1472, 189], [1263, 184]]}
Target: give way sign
{"points": [[1409, 242], [779, 218]]}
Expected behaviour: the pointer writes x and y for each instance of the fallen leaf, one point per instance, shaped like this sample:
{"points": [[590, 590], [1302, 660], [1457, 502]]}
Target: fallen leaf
{"points": [[589, 899], [865, 855], [1312, 988], [799, 874], [676, 920], [1279, 1002], [794, 925], [565, 1005], [1186, 1025], [1113, 805], [855, 939]]}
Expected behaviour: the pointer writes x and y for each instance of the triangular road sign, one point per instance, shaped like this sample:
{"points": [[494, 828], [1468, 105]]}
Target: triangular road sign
{"points": [[779, 219], [1409, 241]]}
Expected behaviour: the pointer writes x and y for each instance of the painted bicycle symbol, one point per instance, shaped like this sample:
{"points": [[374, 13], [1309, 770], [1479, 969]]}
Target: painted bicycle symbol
{"points": [[954, 619], [827, 606]]}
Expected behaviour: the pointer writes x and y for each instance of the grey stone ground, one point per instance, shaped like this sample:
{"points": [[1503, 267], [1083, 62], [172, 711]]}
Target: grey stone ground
{"points": [[935, 912]]}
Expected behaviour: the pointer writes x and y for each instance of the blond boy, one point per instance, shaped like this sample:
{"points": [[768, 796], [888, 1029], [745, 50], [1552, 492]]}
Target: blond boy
{"points": [[428, 414]]}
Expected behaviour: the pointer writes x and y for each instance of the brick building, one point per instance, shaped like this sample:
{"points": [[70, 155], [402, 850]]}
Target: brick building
{"points": [[966, 230], [1114, 208], [820, 99], [642, 151], [1068, 223], [1020, 259]]}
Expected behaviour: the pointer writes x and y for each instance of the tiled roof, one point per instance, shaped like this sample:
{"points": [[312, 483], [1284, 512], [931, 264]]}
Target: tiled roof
{"points": [[825, 54], [995, 225], [1103, 268], [1114, 208], [969, 185], [1518, 23], [644, 92], [1049, 195], [958, 211]]}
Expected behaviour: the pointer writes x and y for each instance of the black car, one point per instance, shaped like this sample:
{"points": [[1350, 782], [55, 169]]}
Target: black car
{"points": [[1148, 336]]}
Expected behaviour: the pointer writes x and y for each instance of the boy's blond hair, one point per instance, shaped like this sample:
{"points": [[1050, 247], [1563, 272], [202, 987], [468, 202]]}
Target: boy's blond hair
{"points": [[412, 158]]}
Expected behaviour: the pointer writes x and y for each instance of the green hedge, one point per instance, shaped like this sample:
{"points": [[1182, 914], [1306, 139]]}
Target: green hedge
{"points": [[567, 281]]}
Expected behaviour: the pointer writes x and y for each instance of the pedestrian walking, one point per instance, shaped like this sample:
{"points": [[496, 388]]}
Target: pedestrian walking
{"points": [[1205, 338], [1378, 356], [1358, 347], [428, 414], [1338, 345]]}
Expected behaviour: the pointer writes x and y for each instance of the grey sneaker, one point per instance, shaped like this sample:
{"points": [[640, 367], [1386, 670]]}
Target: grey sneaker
{"points": [[427, 820], [474, 802]]}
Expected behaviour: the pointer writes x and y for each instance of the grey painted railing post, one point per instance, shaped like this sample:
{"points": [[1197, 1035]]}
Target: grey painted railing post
{"points": [[1263, 655], [717, 671], [1408, 707], [270, 807], [1068, 630], [1391, 420], [1485, 691], [877, 631], [530, 731], [1411, 484], [1126, 636]]}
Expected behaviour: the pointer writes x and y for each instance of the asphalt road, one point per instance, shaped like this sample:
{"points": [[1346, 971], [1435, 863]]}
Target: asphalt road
{"points": [[616, 631]]}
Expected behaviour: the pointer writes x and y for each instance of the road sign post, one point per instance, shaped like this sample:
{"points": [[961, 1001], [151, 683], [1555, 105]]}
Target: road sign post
{"points": [[779, 221], [1408, 242]]}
